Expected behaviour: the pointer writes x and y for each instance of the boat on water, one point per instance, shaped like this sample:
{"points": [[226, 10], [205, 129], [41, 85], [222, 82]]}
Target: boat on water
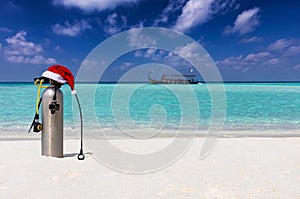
{"points": [[174, 79]]}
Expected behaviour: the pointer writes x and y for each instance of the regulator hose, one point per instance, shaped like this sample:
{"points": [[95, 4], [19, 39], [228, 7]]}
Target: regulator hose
{"points": [[80, 155], [37, 126]]}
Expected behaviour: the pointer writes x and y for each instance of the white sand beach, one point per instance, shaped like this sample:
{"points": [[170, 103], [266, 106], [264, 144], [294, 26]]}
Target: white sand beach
{"points": [[236, 168]]}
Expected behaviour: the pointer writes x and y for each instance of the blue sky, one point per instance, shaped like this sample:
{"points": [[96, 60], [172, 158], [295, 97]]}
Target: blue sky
{"points": [[248, 40]]}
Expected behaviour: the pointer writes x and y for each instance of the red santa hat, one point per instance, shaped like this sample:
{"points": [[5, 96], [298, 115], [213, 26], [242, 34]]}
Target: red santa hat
{"points": [[60, 74]]}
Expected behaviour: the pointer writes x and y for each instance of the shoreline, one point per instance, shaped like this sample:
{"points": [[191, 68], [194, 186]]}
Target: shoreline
{"points": [[110, 134], [14, 138]]}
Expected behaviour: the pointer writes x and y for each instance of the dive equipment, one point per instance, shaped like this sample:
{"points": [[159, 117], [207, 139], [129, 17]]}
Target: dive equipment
{"points": [[80, 155], [52, 120], [37, 126], [52, 110]]}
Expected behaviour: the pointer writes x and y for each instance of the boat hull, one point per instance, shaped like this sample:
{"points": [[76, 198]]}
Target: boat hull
{"points": [[171, 81]]}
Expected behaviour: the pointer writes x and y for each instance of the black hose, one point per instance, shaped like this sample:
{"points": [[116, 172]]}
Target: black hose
{"points": [[36, 116], [80, 155]]}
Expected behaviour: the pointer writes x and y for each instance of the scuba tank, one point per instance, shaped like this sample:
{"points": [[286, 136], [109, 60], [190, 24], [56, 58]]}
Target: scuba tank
{"points": [[52, 120], [52, 110]]}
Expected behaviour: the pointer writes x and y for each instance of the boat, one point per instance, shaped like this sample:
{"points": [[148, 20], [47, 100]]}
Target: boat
{"points": [[174, 79]]}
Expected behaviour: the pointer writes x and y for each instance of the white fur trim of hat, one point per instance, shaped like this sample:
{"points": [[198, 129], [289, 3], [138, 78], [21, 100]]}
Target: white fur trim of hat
{"points": [[54, 76]]}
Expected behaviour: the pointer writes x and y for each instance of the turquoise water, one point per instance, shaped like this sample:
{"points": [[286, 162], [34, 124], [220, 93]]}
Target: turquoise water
{"points": [[249, 107]]}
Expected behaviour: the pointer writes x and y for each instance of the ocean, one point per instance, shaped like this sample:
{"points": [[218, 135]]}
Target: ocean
{"points": [[260, 109]]}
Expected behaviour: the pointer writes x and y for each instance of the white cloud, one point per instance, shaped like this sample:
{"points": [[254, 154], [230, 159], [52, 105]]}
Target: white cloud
{"points": [[115, 23], [40, 59], [280, 44], [189, 51], [245, 22], [137, 39], [155, 54], [173, 7], [5, 29], [37, 59], [58, 49], [126, 65], [297, 66], [197, 12], [18, 45], [89, 64], [71, 29], [19, 50], [272, 61], [138, 53], [151, 53], [140, 24], [293, 50], [254, 57], [283, 52], [91, 5], [16, 59], [231, 61], [251, 39], [243, 63], [286, 46], [174, 60]]}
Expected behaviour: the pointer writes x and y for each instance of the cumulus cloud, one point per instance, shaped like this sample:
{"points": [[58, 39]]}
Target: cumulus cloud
{"points": [[37, 59], [137, 39], [281, 44], [126, 65], [254, 57], [20, 50], [92, 5], [293, 50], [140, 24], [18, 45], [197, 12], [244, 63], [231, 61], [138, 53], [286, 46], [189, 51], [151, 53], [69, 29], [172, 8], [272, 61], [115, 23], [89, 64], [282, 52], [245, 22], [192, 52]]}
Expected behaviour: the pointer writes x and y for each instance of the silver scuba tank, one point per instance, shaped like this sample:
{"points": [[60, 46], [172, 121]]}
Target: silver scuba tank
{"points": [[52, 120]]}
